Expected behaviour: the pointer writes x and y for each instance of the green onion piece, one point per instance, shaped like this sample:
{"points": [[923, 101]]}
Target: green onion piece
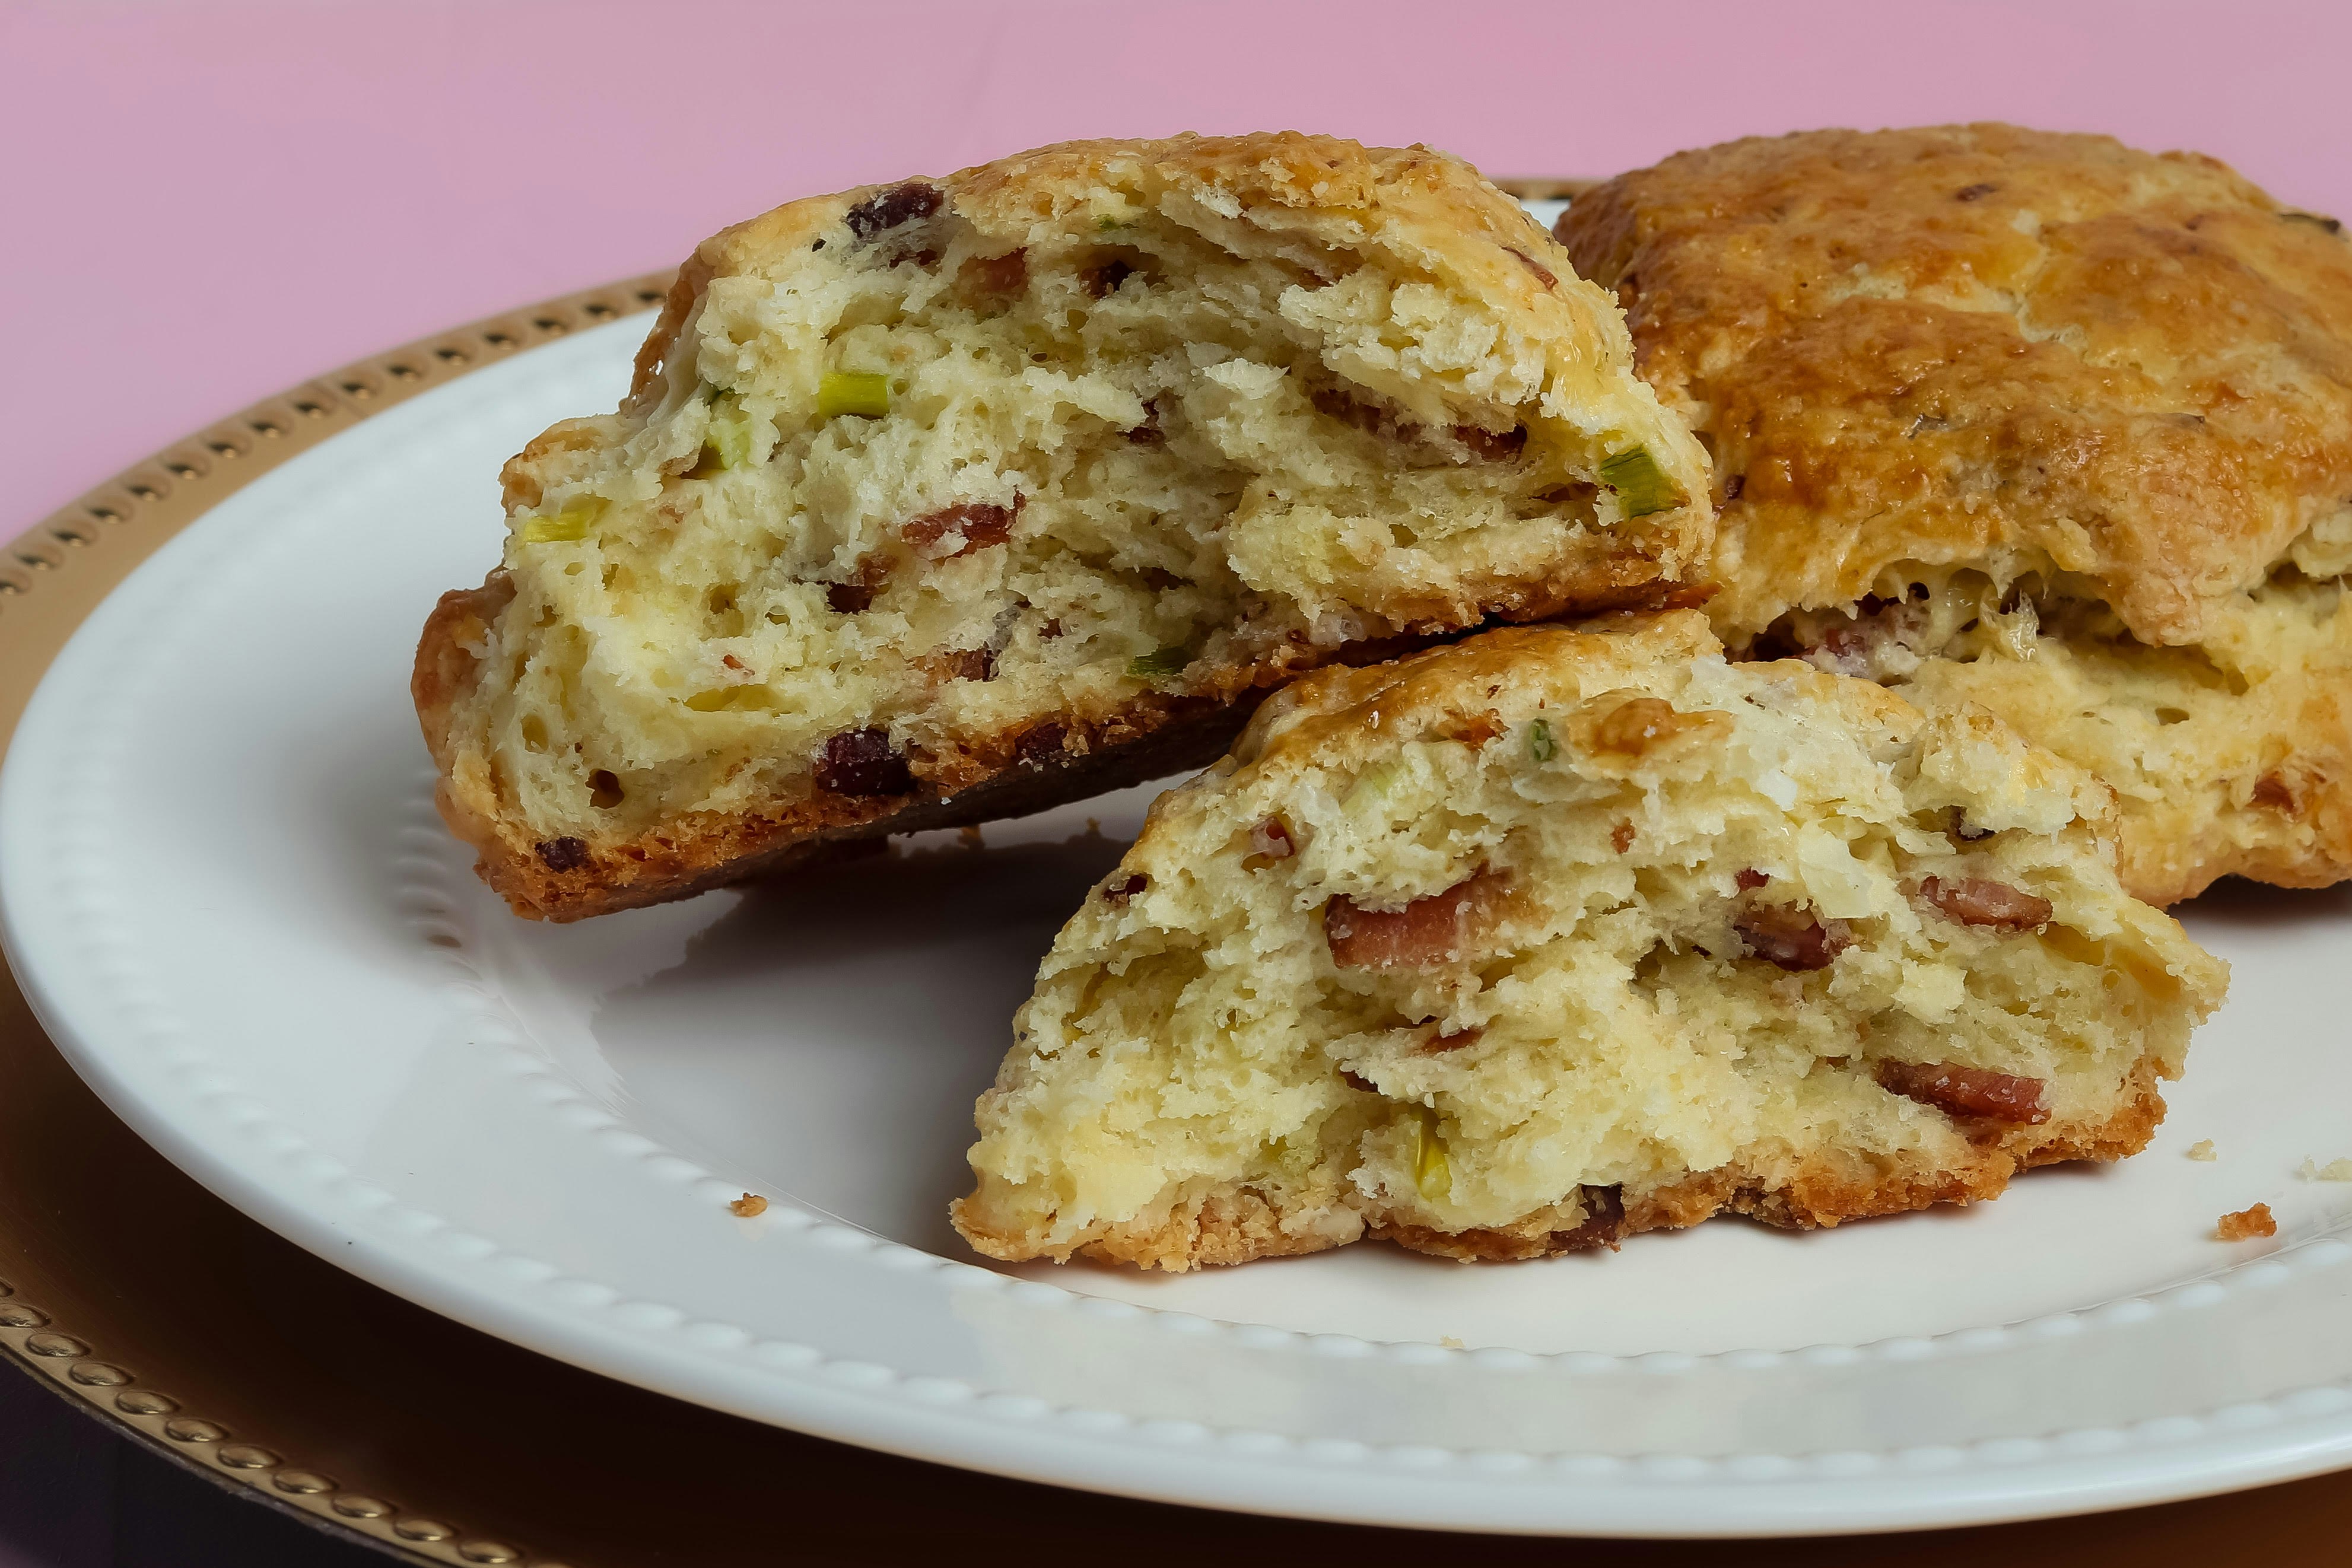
{"points": [[1160, 664], [754, 698], [853, 391], [567, 526], [727, 443], [1106, 222], [1540, 744], [1432, 1172], [1374, 786], [1641, 484]]}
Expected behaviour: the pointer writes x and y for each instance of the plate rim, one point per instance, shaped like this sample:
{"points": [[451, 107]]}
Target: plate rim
{"points": [[181, 1149], [53, 574]]}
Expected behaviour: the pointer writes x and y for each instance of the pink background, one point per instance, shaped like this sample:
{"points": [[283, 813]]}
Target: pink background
{"points": [[202, 204]]}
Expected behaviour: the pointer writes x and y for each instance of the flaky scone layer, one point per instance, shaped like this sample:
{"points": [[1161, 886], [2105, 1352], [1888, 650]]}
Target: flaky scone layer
{"points": [[1521, 946], [953, 498], [2086, 410]]}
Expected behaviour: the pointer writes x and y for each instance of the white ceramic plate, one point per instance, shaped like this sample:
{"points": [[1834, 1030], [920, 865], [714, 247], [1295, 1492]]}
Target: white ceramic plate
{"points": [[228, 896]]}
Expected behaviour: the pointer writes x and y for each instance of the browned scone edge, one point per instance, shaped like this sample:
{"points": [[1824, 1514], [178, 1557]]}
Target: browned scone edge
{"points": [[1242, 1226], [1014, 773]]}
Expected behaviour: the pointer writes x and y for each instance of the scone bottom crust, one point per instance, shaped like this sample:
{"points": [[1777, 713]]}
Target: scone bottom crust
{"points": [[950, 499], [1533, 942]]}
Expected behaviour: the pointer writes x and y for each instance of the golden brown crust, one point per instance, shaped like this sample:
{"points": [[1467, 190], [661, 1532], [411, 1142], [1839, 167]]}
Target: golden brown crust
{"points": [[1987, 346], [1316, 714], [1433, 203], [1236, 1225], [1148, 739], [991, 778], [447, 661], [1826, 1190]]}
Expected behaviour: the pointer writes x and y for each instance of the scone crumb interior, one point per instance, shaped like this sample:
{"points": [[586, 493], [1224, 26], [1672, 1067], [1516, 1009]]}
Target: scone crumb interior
{"points": [[1552, 936]]}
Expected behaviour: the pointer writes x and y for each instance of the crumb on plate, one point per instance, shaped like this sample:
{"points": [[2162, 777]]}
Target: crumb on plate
{"points": [[749, 1204], [2203, 1149], [2334, 1170], [2247, 1223]]}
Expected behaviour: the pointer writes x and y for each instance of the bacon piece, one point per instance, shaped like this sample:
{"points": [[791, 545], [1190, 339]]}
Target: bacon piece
{"points": [[563, 854], [1605, 1222], [1102, 280], [1544, 274], [1442, 928], [1633, 727], [1041, 747], [1126, 887], [1793, 937], [888, 209], [2246, 1224], [862, 762], [1621, 837], [1857, 647], [962, 528], [857, 596], [1352, 412], [1006, 274], [1491, 446], [1443, 1038], [1474, 729], [966, 665], [1749, 877], [1966, 1091], [1270, 840], [1979, 901]]}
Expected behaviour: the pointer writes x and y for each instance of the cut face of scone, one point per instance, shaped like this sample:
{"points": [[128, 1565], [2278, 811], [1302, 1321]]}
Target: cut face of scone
{"points": [[2035, 421], [1524, 945], [956, 498]]}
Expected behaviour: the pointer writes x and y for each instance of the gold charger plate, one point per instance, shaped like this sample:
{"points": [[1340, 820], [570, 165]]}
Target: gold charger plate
{"points": [[190, 1330]]}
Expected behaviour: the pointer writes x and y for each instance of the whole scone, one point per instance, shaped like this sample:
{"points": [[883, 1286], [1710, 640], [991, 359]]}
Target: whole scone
{"points": [[1521, 946], [2035, 421], [958, 499]]}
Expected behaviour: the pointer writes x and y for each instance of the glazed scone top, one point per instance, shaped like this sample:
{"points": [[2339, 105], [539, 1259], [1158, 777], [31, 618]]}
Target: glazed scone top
{"points": [[1983, 346]]}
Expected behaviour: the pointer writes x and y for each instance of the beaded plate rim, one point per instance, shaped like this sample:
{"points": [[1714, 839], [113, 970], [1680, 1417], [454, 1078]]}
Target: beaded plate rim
{"points": [[94, 541], [431, 1539]]}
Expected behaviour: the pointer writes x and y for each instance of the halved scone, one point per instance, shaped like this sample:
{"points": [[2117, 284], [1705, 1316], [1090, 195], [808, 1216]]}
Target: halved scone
{"points": [[1518, 946], [954, 499], [2035, 421]]}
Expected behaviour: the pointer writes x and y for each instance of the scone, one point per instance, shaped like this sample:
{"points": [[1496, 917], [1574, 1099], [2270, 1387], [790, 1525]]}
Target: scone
{"points": [[2035, 421], [1518, 946], [958, 499]]}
